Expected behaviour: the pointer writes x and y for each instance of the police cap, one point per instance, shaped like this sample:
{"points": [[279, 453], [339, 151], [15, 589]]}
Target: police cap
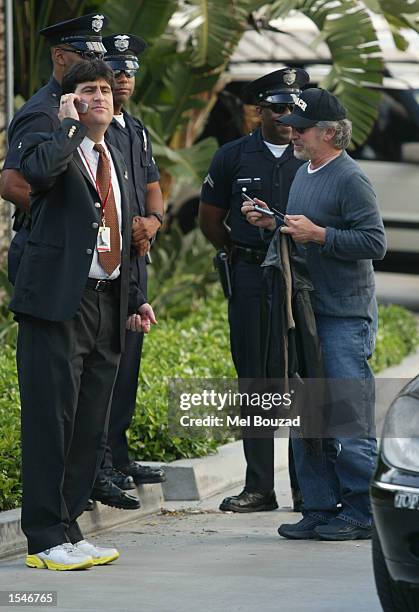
{"points": [[122, 51], [283, 85], [82, 33]]}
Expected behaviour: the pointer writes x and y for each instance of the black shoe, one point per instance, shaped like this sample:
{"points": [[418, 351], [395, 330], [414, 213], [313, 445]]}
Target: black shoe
{"points": [[143, 474], [124, 482], [89, 505], [249, 502], [303, 530], [109, 494], [337, 529]]}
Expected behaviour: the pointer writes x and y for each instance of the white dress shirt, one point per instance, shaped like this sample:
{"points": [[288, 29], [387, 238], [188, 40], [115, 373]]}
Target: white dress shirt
{"points": [[88, 153]]}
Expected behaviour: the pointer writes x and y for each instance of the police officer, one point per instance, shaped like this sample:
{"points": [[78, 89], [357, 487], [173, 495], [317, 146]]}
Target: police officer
{"points": [[71, 41], [129, 135], [260, 165]]}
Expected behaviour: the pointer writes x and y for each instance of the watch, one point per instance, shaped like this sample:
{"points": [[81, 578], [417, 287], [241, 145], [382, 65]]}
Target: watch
{"points": [[157, 215]]}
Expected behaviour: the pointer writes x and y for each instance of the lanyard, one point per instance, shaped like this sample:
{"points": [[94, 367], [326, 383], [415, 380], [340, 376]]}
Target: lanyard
{"points": [[104, 201]]}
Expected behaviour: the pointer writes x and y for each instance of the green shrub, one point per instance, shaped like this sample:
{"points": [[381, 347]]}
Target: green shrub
{"points": [[10, 493], [397, 336], [195, 347]]}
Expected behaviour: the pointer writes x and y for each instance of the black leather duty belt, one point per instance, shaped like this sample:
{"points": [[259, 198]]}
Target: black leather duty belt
{"points": [[247, 254], [102, 285]]}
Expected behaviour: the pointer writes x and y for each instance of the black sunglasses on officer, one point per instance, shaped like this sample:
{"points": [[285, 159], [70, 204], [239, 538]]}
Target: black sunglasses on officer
{"points": [[278, 107]]}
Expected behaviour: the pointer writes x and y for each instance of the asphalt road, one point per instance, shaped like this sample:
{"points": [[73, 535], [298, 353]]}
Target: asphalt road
{"points": [[400, 289], [194, 558]]}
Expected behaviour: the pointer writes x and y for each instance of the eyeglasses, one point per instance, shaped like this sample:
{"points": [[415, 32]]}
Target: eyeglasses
{"points": [[86, 55], [128, 73], [278, 107]]}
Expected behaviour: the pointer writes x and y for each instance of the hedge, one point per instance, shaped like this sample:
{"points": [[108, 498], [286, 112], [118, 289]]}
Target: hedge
{"points": [[196, 346]]}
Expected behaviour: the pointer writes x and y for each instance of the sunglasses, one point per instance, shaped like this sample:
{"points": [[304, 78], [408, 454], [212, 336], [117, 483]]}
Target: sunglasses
{"points": [[128, 73], [86, 55], [301, 130], [278, 107]]}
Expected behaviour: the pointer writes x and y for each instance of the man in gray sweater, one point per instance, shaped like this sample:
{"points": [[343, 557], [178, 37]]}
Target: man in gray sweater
{"points": [[333, 218]]}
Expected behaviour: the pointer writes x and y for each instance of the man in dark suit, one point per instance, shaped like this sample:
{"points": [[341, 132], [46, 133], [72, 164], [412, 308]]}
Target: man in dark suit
{"points": [[72, 298]]}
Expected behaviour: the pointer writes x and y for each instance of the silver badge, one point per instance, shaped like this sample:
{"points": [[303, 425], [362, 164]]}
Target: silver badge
{"points": [[121, 42], [290, 76], [97, 23]]}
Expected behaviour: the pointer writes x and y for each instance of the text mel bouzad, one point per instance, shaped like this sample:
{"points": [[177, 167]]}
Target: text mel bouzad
{"points": [[237, 421]]}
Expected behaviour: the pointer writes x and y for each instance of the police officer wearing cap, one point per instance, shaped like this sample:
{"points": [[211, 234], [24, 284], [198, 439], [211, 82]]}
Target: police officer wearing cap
{"points": [[71, 41], [259, 165], [129, 135]]}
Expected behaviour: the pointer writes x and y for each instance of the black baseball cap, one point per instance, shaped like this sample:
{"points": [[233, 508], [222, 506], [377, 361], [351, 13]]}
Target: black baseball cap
{"points": [[82, 33], [314, 105], [279, 86], [122, 51]]}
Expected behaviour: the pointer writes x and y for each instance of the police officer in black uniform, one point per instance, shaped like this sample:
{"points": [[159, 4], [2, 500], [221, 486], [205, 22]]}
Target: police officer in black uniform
{"points": [[71, 41], [129, 135], [260, 165]]}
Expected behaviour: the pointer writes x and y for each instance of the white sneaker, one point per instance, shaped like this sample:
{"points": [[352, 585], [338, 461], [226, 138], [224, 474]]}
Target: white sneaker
{"points": [[99, 555], [62, 557]]}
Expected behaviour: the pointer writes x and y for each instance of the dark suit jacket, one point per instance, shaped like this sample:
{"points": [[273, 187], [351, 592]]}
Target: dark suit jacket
{"points": [[56, 260]]}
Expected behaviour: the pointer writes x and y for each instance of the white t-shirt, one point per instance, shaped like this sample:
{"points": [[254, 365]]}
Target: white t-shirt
{"points": [[276, 150]]}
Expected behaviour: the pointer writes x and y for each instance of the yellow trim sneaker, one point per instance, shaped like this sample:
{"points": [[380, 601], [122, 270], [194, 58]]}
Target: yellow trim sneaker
{"points": [[60, 558], [100, 556]]}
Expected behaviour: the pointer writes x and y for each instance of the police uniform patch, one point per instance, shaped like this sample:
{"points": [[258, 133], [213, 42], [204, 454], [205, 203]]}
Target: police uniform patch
{"points": [[208, 179]]}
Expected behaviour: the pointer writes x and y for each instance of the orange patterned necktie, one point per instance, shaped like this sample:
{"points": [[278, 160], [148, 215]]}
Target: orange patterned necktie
{"points": [[109, 260]]}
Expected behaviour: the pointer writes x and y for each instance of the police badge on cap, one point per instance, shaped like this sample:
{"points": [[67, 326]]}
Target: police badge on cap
{"points": [[122, 52], [97, 22], [281, 86]]}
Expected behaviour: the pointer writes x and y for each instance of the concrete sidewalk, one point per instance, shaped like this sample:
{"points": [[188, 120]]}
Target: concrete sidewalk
{"points": [[193, 557]]}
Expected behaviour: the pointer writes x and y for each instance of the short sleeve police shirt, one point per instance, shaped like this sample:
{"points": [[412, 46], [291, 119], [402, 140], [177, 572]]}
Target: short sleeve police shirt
{"points": [[248, 166]]}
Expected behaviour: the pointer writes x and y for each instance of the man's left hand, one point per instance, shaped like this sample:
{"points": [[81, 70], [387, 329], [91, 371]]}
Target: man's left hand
{"points": [[144, 228], [147, 317], [303, 230]]}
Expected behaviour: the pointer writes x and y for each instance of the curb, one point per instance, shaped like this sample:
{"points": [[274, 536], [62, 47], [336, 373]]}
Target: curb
{"points": [[194, 479]]}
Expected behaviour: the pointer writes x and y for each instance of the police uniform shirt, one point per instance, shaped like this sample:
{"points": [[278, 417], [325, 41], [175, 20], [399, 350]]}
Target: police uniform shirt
{"points": [[39, 114], [247, 166], [134, 143]]}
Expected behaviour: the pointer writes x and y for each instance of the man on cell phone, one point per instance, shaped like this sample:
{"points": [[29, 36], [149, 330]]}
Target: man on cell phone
{"points": [[72, 297]]}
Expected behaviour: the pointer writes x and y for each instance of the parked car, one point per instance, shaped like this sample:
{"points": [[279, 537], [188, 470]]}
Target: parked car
{"points": [[395, 503], [389, 157]]}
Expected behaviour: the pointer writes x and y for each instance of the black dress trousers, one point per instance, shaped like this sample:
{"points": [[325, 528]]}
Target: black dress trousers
{"points": [[125, 390], [66, 375], [245, 338]]}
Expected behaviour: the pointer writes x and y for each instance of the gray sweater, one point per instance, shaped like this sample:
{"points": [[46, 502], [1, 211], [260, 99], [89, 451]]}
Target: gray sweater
{"points": [[340, 198]]}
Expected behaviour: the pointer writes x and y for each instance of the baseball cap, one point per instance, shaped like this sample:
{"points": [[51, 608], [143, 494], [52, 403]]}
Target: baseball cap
{"points": [[314, 105]]}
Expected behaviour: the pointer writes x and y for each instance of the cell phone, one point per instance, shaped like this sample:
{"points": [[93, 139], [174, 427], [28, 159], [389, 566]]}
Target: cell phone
{"points": [[247, 198], [81, 106], [264, 211]]}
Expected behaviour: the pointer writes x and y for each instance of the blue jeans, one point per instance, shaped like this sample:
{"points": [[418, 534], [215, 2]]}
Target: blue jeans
{"points": [[336, 481]]}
